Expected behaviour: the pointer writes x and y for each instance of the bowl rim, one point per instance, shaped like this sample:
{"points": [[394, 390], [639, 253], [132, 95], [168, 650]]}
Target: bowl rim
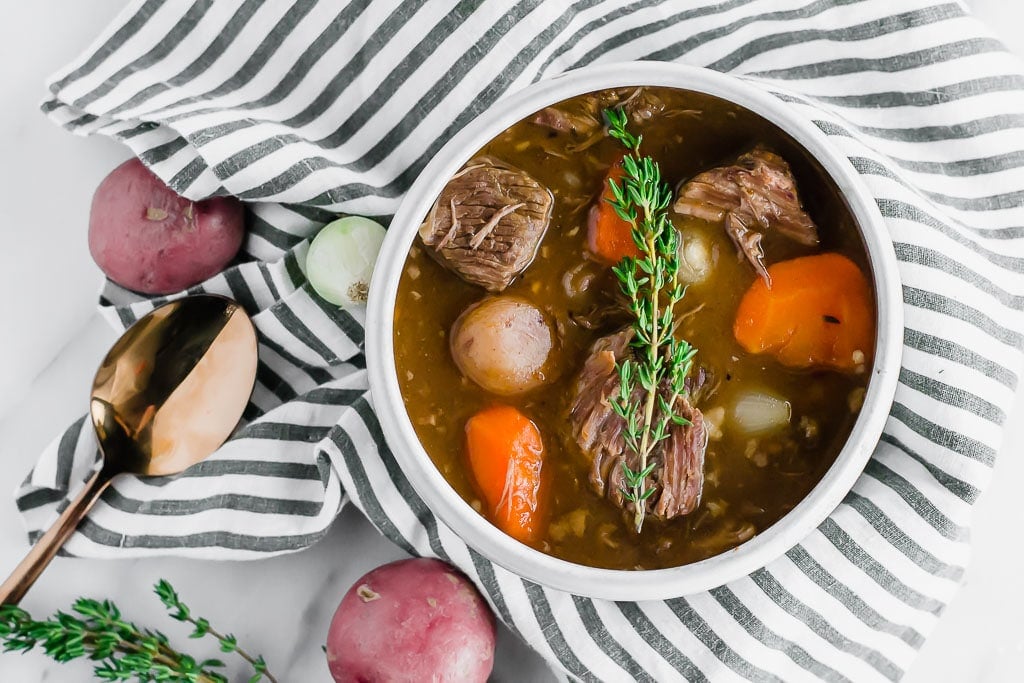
{"points": [[617, 584]]}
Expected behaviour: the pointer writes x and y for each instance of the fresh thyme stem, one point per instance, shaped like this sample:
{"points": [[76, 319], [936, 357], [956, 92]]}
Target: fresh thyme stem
{"points": [[228, 643], [639, 506], [257, 663], [651, 284], [120, 650]]}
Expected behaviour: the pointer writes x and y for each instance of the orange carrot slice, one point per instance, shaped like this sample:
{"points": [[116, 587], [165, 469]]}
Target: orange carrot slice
{"points": [[818, 312], [609, 237], [506, 456]]}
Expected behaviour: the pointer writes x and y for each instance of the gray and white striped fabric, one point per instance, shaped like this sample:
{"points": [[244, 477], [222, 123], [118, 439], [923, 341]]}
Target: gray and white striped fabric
{"points": [[307, 108]]}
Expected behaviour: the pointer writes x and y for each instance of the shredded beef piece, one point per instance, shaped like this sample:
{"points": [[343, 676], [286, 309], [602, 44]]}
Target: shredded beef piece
{"points": [[583, 116], [563, 120], [753, 196], [679, 475]]}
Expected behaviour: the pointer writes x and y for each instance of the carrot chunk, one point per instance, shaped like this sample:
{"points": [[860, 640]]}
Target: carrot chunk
{"points": [[506, 456], [817, 312], [609, 237]]}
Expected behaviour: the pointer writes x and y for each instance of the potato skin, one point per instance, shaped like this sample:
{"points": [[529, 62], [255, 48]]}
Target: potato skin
{"points": [[412, 620], [503, 343], [149, 239]]}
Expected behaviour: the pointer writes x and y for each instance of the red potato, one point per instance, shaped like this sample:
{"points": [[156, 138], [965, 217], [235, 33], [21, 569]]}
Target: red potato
{"points": [[146, 237], [413, 620], [503, 344]]}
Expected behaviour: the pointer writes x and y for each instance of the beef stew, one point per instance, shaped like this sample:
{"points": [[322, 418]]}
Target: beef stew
{"points": [[514, 233]]}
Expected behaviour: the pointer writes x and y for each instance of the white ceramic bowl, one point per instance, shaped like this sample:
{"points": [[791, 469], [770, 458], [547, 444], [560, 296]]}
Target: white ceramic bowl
{"points": [[658, 584]]}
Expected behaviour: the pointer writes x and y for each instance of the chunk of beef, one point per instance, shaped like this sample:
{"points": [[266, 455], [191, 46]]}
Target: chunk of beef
{"points": [[753, 196], [583, 116], [679, 472], [642, 105], [487, 223], [583, 120], [701, 384]]}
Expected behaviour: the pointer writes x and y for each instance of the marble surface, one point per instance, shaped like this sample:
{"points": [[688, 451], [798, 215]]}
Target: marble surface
{"points": [[282, 606]]}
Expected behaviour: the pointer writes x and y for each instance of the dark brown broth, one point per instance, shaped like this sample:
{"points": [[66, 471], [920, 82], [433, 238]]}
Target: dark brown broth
{"points": [[747, 487]]}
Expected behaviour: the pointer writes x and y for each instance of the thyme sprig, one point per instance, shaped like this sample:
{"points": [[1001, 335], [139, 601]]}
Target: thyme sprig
{"points": [[122, 651], [228, 643], [650, 282]]}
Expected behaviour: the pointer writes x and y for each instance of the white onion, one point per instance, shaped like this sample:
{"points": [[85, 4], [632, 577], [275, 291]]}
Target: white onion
{"points": [[340, 259], [756, 412]]}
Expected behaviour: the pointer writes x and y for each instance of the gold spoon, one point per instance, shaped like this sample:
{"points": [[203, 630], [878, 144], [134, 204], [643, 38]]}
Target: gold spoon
{"points": [[168, 394]]}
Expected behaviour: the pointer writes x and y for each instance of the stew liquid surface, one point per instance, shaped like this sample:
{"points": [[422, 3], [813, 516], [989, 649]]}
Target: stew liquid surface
{"points": [[750, 480]]}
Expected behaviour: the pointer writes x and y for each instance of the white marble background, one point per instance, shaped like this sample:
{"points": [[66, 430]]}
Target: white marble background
{"points": [[281, 607]]}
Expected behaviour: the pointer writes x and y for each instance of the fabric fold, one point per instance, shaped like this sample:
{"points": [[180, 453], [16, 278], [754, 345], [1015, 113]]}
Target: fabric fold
{"points": [[308, 109]]}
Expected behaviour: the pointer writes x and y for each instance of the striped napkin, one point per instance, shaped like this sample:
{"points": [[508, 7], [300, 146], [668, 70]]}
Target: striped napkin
{"points": [[308, 108]]}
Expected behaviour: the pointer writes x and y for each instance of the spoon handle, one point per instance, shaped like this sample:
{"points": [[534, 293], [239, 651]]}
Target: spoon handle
{"points": [[26, 573]]}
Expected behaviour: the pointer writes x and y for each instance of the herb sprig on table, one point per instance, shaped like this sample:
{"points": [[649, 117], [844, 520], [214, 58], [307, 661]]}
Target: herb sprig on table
{"points": [[651, 284], [122, 651]]}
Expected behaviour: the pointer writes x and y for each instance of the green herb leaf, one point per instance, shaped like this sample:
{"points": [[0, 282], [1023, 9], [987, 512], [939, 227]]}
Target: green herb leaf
{"points": [[228, 643], [201, 629], [641, 198], [122, 651]]}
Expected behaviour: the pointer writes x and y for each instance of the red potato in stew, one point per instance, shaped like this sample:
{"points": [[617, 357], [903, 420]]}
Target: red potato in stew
{"points": [[412, 620], [503, 344], [149, 239]]}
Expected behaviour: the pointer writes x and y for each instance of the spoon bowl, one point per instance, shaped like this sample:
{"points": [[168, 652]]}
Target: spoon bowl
{"points": [[169, 392]]}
